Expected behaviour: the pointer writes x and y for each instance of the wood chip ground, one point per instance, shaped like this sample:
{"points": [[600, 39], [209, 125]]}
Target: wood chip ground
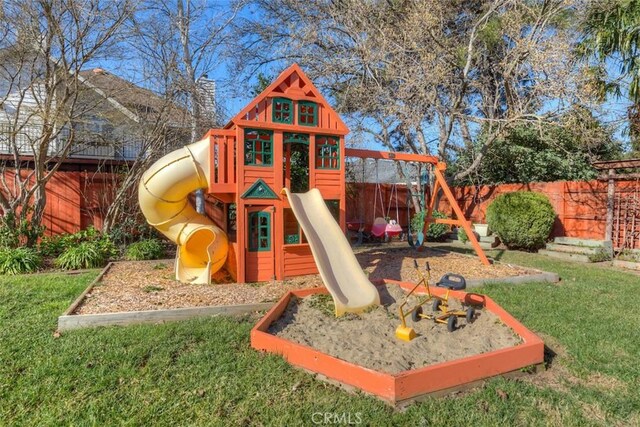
{"points": [[150, 285]]}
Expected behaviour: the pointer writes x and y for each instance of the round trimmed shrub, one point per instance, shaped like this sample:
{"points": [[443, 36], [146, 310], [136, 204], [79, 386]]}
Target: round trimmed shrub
{"points": [[84, 255], [19, 261], [522, 220], [145, 249]]}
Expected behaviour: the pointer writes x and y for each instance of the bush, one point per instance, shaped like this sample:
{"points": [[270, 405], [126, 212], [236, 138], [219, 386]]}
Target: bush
{"points": [[56, 245], [83, 255], [107, 248], [52, 246], [132, 229], [19, 260], [522, 220], [145, 249], [435, 232], [14, 232], [462, 235]]}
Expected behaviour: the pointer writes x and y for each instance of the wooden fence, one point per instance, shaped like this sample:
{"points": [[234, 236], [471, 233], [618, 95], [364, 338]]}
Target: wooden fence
{"points": [[75, 200], [581, 207]]}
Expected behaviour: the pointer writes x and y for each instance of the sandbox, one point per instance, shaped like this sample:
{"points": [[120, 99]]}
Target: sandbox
{"points": [[361, 351]]}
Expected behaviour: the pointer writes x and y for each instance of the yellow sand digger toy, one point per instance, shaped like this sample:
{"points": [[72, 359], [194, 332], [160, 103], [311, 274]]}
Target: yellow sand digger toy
{"points": [[440, 305]]}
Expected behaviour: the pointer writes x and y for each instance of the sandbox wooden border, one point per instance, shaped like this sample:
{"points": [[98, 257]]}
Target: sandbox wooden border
{"points": [[413, 385], [69, 321]]}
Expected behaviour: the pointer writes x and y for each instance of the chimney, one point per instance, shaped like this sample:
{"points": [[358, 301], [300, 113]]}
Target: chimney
{"points": [[207, 95]]}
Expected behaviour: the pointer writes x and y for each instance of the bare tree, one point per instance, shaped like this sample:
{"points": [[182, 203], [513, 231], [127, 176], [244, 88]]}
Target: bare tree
{"points": [[426, 76], [183, 40], [43, 47], [175, 45]]}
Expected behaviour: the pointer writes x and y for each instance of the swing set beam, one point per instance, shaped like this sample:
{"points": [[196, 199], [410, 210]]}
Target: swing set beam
{"points": [[440, 184]]}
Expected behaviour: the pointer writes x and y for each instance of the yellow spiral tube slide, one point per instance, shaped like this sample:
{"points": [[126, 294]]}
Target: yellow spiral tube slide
{"points": [[163, 197]]}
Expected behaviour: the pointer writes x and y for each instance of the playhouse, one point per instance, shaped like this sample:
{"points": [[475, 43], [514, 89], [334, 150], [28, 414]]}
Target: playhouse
{"points": [[289, 137]]}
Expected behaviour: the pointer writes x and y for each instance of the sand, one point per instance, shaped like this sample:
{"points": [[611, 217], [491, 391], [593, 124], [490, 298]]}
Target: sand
{"points": [[369, 340]]}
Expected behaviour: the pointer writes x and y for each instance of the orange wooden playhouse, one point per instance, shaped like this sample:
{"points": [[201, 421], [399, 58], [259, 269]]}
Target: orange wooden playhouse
{"points": [[288, 136]]}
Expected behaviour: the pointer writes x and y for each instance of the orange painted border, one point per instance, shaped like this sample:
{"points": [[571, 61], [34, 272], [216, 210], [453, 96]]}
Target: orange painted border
{"points": [[407, 384]]}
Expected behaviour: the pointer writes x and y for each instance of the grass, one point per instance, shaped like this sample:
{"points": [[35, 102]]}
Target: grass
{"points": [[203, 372]]}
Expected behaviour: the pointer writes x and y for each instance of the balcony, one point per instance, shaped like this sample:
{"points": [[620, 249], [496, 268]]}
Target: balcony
{"points": [[27, 138]]}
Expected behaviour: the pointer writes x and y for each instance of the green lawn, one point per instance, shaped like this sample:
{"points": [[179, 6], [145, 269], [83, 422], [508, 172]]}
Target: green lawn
{"points": [[203, 372]]}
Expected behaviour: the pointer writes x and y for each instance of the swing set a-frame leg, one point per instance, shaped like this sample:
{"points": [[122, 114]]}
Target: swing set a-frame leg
{"points": [[460, 221]]}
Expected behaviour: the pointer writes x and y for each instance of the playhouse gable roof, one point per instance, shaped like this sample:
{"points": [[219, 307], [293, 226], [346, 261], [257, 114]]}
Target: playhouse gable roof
{"points": [[293, 84]]}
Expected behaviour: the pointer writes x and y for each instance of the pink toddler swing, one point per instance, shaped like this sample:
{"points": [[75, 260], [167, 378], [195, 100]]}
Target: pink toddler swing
{"points": [[380, 225]]}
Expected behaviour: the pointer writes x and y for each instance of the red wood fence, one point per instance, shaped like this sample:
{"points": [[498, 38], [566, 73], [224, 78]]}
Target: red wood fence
{"points": [[75, 200], [581, 207]]}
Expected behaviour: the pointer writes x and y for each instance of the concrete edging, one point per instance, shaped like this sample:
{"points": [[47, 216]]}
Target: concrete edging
{"points": [[78, 321], [626, 264], [540, 276]]}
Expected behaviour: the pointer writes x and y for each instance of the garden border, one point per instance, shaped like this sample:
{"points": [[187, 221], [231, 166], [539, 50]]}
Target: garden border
{"points": [[540, 276], [629, 265], [68, 321]]}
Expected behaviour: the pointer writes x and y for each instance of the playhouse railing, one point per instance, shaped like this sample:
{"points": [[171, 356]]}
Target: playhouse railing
{"points": [[223, 161]]}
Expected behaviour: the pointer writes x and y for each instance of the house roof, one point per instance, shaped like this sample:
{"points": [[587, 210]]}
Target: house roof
{"points": [[132, 100]]}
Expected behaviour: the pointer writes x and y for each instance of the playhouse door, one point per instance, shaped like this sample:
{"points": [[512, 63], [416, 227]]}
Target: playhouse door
{"points": [[259, 246]]}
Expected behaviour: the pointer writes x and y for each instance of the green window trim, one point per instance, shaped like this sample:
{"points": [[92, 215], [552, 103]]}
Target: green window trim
{"points": [[296, 138], [282, 111], [327, 152], [307, 113], [259, 231], [258, 150]]}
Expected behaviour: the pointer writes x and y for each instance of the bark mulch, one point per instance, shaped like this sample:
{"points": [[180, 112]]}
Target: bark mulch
{"points": [[150, 285]]}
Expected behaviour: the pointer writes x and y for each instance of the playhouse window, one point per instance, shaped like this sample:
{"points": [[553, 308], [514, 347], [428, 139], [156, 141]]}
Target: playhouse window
{"points": [[282, 110], [292, 232], [258, 148], [259, 231], [327, 152], [307, 113]]}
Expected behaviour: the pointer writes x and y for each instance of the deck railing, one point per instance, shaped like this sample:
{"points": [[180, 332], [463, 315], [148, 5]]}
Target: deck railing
{"points": [[26, 139]]}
